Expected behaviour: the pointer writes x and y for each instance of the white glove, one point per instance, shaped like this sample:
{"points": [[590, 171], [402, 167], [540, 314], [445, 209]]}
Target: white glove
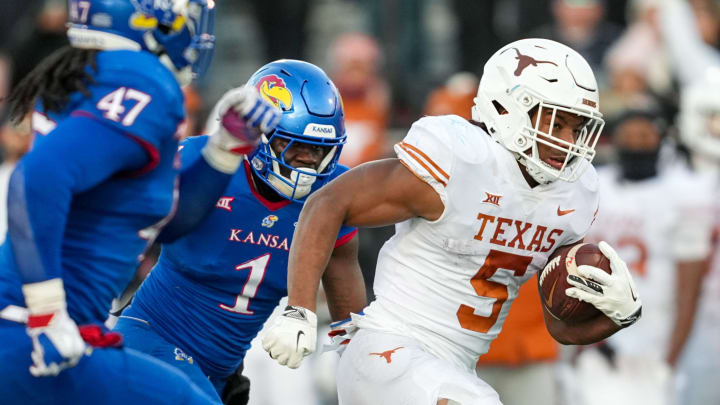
{"points": [[292, 336], [341, 332], [244, 116], [613, 294], [56, 340]]}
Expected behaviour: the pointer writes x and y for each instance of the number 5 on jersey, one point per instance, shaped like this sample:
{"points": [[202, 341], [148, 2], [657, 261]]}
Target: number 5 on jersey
{"points": [[485, 288], [257, 268], [112, 105]]}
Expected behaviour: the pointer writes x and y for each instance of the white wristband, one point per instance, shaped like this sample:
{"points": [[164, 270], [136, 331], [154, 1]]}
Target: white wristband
{"points": [[220, 158], [45, 296]]}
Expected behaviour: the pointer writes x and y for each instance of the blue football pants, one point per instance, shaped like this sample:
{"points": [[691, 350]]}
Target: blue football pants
{"points": [[139, 335], [108, 376]]}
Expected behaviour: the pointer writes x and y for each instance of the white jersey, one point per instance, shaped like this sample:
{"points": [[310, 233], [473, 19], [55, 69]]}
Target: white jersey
{"points": [[653, 224], [449, 283]]}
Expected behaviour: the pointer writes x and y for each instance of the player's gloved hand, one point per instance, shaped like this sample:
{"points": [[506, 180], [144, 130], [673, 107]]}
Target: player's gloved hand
{"points": [[292, 336], [244, 116], [616, 296], [56, 341], [340, 334]]}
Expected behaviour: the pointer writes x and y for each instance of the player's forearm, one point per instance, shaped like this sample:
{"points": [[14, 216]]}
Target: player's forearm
{"points": [[689, 282], [313, 242], [583, 333], [343, 282], [341, 302], [201, 186]]}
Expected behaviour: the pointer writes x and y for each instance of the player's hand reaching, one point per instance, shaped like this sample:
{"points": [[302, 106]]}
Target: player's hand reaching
{"points": [[244, 116], [617, 296], [341, 332], [56, 340], [292, 336]]}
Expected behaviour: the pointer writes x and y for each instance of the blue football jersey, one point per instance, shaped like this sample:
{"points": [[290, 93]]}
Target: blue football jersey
{"points": [[134, 94], [212, 290]]}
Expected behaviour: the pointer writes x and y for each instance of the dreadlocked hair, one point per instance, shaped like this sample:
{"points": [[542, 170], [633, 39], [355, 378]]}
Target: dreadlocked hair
{"points": [[53, 81]]}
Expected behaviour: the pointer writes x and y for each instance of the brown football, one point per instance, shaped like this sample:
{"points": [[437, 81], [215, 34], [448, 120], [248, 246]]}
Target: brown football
{"points": [[552, 281]]}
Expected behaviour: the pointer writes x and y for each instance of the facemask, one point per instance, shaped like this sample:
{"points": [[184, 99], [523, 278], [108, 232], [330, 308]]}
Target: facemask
{"points": [[638, 165]]}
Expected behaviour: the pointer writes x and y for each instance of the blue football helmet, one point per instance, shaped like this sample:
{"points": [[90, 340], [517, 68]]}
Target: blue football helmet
{"points": [[179, 32], [312, 114]]}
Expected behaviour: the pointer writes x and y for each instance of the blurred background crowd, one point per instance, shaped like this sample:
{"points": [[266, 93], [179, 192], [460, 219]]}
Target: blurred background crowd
{"points": [[397, 60]]}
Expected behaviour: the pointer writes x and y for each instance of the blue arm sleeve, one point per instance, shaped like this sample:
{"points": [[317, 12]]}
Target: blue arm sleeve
{"points": [[77, 155], [200, 188]]}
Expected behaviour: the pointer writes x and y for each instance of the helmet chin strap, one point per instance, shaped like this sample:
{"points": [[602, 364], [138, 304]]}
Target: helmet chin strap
{"points": [[303, 182], [533, 169]]}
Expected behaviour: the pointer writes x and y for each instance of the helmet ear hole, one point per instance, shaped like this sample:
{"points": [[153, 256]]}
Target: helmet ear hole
{"points": [[499, 108]]}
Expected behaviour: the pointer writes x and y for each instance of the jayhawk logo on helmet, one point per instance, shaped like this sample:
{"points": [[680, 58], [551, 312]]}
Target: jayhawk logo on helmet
{"points": [[273, 89]]}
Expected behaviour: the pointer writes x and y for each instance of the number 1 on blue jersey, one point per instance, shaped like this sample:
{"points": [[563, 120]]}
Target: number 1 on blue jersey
{"points": [[257, 268]]}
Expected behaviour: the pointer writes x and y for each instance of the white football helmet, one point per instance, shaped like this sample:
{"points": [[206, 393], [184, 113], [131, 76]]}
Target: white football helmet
{"points": [[546, 74], [699, 120]]}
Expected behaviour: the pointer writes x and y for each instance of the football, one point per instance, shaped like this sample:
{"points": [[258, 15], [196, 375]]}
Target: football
{"points": [[552, 281]]}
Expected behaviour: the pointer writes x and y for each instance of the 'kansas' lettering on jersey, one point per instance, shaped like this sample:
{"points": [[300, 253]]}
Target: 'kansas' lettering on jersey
{"points": [[132, 94], [213, 289]]}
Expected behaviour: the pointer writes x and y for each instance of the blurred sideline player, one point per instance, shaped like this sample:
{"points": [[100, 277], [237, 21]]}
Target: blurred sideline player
{"points": [[699, 125], [355, 60], [524, 353], [97, 188], [479, 209], [699, 369], [213, 289], [660, 220]]}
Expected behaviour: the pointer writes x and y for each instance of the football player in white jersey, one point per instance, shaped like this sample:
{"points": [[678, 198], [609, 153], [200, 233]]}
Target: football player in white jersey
{"points": [[659, 217], [479, 206], [699, 126]]}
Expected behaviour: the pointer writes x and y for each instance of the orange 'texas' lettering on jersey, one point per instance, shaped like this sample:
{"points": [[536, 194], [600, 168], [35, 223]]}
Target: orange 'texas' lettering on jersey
{"points": [[387, 354], [541, 240]]}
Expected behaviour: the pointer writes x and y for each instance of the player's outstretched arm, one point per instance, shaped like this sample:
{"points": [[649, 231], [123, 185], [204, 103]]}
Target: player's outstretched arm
{"points": [[40, 192], [243, 116], [377, 193]]}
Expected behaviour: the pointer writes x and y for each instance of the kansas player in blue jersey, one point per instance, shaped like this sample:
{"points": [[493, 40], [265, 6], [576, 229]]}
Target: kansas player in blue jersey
{"points": [[212, 290], [99, 184]]}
